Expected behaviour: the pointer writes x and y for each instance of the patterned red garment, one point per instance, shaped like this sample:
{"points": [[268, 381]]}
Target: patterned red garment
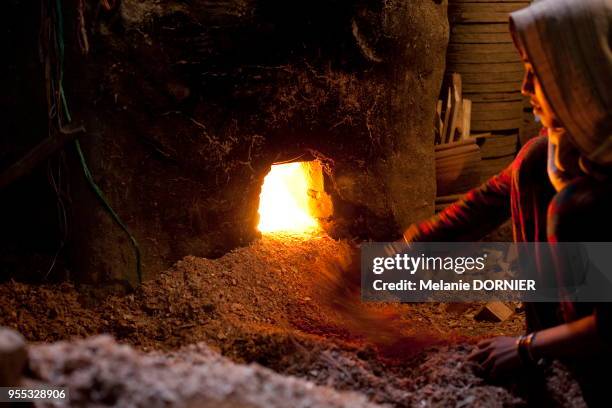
{"points": [[523, 193]]}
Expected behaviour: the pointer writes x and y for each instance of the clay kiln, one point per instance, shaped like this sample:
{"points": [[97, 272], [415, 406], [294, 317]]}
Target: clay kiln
{"points": [[187, 106]]}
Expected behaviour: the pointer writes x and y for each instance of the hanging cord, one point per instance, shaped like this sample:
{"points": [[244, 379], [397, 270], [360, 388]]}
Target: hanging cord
{"points": [[59, 42], [110, 210]]}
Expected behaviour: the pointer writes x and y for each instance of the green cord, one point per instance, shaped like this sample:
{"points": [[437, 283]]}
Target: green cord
{"points": [[108, 208], [99, 194]]}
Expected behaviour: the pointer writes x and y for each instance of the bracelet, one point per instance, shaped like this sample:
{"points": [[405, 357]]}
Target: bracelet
{"points": [[525, 351]]}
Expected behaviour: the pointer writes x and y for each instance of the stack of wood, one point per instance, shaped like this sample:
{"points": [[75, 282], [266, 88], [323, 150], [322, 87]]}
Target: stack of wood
{"points": [[482, 51], [457, 153]]}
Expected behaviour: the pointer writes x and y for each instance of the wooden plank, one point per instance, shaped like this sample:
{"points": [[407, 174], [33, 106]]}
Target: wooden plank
{"points": [[525, 2], [453, 145], [492, 77], [477, 17], [449, 133], [456, 182], [471, 160], [499, 28], [460, 149], [489, 167], [466, 118], [497, 87], [497, 115], [482, 48], [499, 146], [480, 38], [447, 115], [488, 106], [491, 87], [485, 7], [483, 67], [474, 57], [494, 312], [488, 125], [463, 161], [448, 172], [487, 97]]}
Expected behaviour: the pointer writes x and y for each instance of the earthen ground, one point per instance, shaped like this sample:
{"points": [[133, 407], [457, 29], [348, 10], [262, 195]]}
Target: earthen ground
{"points": [[283, 303]]}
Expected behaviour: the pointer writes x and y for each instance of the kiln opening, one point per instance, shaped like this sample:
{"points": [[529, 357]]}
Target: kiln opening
{"points": [[293, 199]]}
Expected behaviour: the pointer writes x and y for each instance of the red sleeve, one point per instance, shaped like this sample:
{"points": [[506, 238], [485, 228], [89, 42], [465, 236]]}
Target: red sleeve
{"points": [[477, 213]]}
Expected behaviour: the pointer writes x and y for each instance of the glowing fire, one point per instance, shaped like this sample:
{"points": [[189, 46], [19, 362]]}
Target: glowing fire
{"points": [[284, 203]]}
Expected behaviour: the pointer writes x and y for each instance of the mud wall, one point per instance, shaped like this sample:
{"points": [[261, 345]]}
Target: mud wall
{"points": [[187, 104]]}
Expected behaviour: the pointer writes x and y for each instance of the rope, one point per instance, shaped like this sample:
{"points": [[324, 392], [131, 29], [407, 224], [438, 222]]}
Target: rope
{"points": [[59, 38]]}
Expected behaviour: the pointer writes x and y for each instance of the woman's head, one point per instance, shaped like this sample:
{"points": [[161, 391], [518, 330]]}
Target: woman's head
{"points": [[566, 47]]}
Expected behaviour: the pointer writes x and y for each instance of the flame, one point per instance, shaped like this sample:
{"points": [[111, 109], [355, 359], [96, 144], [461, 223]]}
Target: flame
{"points": [[284, 201]]}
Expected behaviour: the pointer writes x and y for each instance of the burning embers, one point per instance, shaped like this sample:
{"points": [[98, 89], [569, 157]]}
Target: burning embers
{"points": [[292, 198]]}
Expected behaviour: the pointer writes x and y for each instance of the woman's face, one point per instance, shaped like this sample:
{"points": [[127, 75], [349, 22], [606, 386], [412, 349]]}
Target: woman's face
{"points": [[532, 88], [563, 157]]}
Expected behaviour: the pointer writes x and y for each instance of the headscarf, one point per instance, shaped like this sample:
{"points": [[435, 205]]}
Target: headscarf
{"points": [[568, 43]]}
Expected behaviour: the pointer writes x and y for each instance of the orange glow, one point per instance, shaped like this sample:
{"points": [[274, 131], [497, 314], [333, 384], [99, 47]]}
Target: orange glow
{"points": [[284, 203]]}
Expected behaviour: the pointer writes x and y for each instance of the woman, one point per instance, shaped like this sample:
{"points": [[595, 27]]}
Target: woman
{"points": [[557, 189]]}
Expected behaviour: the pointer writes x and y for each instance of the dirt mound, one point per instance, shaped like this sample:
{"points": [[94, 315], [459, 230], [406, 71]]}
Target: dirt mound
{"points": [[279, 284], [99, 372], [281, 303]]}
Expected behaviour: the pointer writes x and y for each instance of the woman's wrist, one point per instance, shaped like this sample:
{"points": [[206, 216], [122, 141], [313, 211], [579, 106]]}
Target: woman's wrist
{"points": [[526, 349]]}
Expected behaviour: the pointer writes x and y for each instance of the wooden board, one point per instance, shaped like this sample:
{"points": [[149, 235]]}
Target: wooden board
{"points": [[526, 2], [497, 115], [457, 182], [490, 167], [454, 145], [493, 97], [494, 312], [486, 7], [474, 57], [477, 17], [499, 28], [494, 106], [482, 48], [481, 38], [478, 68], [457, 158], [491, 77], [458, 150], [488, 125], [466, 118], [447, 115], [499, 110], [498, 146], [491, 87], [449, 135]]}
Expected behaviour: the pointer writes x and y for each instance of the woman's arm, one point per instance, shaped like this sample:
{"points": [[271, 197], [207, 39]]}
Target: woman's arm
{"points": [[477, 213], [499, 356], [576, 339]]}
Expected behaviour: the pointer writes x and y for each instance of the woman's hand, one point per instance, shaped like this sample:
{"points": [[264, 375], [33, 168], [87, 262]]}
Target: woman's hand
{"points": [[498, 356]]}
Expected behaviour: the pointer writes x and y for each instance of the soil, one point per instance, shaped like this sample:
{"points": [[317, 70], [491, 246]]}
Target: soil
{"points": [[288, 303]]}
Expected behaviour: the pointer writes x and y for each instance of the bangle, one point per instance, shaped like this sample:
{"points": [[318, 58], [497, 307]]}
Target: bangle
{"points": [[524, 349], [532, 337]]}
